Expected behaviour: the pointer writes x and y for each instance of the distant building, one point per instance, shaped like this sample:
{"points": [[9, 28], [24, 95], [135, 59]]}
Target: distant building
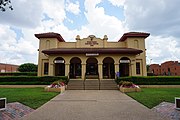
{"points": [[169, 68], [8, 68]]}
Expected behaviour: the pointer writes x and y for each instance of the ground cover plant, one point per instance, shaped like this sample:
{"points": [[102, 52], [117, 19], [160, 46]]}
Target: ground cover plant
{"points": [[151, 97], [32, 97]]}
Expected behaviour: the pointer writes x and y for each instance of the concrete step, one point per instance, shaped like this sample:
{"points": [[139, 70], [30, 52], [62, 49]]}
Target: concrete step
{"points": [[91, 84], [75, 85], [108, 85]]}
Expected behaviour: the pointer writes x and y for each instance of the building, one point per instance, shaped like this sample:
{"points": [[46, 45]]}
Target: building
{"points": [[8, 68], [92, 56], [169, 68], [155, 69]]}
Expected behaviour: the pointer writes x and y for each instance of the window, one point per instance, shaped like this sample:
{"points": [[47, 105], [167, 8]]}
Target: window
{"points": [[46, 68], [138, 68]]}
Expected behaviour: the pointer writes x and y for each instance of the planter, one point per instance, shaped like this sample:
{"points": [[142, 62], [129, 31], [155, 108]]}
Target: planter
{"points": [[124, 90], [60, 89]]}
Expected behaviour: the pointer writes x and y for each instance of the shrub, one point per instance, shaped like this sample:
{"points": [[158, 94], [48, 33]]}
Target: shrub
{"points": [[151, 80], [19, 74], [31, 80]]}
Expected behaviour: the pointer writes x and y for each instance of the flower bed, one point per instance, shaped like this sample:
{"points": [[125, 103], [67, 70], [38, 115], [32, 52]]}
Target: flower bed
{"points": [[126, 86], [56, 86]]}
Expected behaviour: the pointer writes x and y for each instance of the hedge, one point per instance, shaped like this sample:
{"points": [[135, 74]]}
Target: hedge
{"points": [[19, 74], [151, 80], [31, 80]]}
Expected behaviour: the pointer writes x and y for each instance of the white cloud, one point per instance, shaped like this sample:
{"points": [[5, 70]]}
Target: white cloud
{"points": [[100, 23], [161, 49], [156, 17], [73, 7], [25, 14], [55, 10], [117, 2], [160, 18]]}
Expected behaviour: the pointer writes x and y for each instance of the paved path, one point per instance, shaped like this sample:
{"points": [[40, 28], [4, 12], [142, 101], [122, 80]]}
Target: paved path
{"points": [[93, 105]]}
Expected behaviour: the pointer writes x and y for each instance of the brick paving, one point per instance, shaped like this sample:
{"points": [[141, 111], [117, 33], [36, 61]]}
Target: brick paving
{"points": [[168, 110], [15, 111]]}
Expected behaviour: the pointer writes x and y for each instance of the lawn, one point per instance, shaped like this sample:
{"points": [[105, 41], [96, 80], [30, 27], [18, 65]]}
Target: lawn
{"points": [[151, 97], [32, 97]]}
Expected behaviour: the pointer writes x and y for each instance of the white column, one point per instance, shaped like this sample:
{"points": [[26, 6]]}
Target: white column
{"points": [[66, 69], [100, 70], [83, 71]]}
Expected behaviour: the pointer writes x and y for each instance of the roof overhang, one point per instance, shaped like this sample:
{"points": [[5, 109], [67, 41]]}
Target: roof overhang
{"points": [[133, 34], [92, 50], [50, 35]]}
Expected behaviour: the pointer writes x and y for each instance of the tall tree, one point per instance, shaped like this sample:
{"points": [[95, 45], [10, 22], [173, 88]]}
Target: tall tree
{"points": [[27, 67], [5, 4]]}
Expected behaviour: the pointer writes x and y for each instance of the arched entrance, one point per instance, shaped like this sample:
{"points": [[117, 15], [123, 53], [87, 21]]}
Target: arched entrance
{"points": [[91, 66], [75, 68], [59, 66], [124, 66], [108, 68]]}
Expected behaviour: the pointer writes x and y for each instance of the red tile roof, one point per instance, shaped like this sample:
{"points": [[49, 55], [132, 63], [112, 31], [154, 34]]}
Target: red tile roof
{"points": [[92, 50], [133, 34], [50, 35]]}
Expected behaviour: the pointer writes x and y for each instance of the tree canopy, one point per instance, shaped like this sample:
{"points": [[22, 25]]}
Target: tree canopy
{"points": [[27, 67], [4, 4]]}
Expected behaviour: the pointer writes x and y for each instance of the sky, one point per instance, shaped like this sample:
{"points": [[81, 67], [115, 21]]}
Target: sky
{"points": [[160, 18]]}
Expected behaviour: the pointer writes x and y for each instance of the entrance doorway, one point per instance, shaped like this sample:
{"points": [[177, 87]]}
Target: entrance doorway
{"points": [[108, 68], [59, 66], [75, 68], [124, 66], [91, 66]]}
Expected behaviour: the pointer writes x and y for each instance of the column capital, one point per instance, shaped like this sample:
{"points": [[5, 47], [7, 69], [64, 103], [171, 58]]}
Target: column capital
{"points": [[116, 63]]}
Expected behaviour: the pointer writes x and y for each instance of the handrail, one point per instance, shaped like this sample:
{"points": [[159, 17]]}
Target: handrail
{"points": [[84, 80], [99, 80], [68, 78]]}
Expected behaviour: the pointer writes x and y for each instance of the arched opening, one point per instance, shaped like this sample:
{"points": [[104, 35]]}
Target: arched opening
{"points": [[108, 68], [124, 66], [59, 66], [75, 68], [91, 66]]}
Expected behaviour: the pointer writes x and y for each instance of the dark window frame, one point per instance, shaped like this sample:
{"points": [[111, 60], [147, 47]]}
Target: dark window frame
{"points": [[46, 68], [138, 68]]}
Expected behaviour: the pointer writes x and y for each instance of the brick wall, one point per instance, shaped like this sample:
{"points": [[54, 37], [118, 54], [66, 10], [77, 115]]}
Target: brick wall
{"points": [[170, 68], [8, 67]]}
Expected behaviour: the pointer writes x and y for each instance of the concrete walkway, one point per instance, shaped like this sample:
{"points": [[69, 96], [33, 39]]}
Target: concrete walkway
{"points": [[93, 105]]}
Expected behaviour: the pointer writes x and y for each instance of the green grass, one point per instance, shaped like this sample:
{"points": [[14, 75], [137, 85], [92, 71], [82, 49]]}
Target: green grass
{"points": [[32, 97], [151, 97]]}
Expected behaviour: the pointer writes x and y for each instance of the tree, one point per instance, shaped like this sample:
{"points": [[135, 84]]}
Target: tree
{"points": [[147, 67], [5, 4], [27, 67]]}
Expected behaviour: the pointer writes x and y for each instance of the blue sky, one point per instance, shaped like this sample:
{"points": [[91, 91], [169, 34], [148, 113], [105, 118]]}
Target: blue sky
{"points": [[85, 17]]}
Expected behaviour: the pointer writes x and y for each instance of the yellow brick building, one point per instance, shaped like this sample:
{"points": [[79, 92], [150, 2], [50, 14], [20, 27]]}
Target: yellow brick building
{"points": [[92, 56]]}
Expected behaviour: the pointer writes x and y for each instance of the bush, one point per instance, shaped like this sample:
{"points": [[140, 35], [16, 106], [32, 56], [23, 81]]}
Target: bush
{"points": [[28, 67], [151, 80], [19, 74], [31, 80]]}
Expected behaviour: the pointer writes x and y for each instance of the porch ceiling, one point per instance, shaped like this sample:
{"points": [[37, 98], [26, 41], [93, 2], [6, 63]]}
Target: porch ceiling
{"points": [[92, 50]]}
